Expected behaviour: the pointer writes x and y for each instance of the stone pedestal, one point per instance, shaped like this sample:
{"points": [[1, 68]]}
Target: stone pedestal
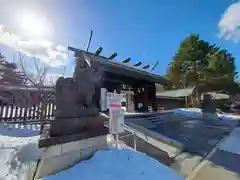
{"points": [[68, 130], [69, 126]]}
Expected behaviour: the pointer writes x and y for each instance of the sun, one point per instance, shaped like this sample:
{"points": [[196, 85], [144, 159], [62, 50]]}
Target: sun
{"points": [[33, 25]]}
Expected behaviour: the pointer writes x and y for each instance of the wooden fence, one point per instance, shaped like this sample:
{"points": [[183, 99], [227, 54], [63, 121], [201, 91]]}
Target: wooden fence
{"points": [[43, 109]]}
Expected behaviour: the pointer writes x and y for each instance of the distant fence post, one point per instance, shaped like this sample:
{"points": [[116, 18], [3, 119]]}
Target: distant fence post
{"points": [[43, 108]]}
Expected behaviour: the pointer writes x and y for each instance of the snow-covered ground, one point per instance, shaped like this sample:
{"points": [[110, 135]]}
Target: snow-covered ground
{"points": [[18, 151], [197, 113], [113, 164]]}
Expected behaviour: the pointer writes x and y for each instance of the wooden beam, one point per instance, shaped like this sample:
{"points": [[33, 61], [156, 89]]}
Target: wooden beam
{"points": [[113, 55], [154, 66], [138, 64], [75, 50], [126, 60], [146, 66], [72, 48], [98, 51], [89, 41]]}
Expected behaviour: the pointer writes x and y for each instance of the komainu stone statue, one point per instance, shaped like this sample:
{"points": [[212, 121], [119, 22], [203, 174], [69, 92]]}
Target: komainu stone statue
{"points": [[86, 82], [74, 97], [74, 101]]}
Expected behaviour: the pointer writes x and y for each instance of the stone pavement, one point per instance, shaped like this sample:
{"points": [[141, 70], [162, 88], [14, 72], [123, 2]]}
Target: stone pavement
{"points": [[196, 139], [224, 163]]}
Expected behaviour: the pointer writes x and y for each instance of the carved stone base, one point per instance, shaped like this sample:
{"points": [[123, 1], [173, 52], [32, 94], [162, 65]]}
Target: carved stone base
{"points": [[47, 141], [61, 127], [72, 113], [67, 130]]}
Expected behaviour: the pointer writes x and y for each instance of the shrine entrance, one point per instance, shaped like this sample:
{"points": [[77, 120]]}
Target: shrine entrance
{"points": [[128, 101], [138, 95]]}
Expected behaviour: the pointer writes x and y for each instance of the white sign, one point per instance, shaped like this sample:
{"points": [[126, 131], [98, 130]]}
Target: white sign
{"points": [[116, 121], [114, 100]]}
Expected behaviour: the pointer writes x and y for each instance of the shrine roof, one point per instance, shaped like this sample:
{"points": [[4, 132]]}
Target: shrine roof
{"points": [[120, 68]]}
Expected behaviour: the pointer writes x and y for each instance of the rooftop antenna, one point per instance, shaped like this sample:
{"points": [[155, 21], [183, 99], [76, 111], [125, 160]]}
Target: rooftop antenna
{"points": [[89, 40]]}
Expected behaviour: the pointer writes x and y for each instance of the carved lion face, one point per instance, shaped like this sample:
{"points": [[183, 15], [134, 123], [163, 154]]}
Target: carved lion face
{"points": [[96, 75]]}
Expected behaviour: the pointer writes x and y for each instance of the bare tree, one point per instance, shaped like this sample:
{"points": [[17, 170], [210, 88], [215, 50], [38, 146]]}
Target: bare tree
{"points": [[16, 73]]}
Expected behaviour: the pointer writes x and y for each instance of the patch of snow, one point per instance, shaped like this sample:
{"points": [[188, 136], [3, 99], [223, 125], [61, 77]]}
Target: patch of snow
{"points": [[197, 113], [113, 164], [188, 112], [19, 130], [226, 116], [231, 144], [111, 143], [18, 151]]}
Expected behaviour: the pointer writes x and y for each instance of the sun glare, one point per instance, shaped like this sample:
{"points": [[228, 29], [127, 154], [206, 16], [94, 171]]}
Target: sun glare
{"points": [[33, 26]]}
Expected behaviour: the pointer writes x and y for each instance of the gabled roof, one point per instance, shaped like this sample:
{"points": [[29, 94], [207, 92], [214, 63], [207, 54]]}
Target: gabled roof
{"points": [[119, 68], [127, 70]]}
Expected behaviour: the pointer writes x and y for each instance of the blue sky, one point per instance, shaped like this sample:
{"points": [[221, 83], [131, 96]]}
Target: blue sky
{"points": [[143, 30]]}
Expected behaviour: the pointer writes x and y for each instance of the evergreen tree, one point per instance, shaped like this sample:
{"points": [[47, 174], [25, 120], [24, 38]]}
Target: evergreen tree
{"points": [[198, 61]]}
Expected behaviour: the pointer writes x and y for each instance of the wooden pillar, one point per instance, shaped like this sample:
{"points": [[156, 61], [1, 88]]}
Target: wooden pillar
{"points": [[43, 109], [135, 99], [154, 98], [145, 98], [108, 85], [117, 88]]}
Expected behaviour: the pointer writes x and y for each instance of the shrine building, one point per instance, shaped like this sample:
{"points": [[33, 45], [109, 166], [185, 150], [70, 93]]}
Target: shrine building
{"points": [[135, 81]]}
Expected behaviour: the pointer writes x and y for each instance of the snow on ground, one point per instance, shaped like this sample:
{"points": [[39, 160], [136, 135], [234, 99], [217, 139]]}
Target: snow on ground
{"points": [[18, 151], [189, 112], [197, 113], [113, 164]]}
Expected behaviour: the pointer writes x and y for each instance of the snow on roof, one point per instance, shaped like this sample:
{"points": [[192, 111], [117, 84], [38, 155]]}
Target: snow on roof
{"points": [[116, 164], [176, 93], [216, 95]]}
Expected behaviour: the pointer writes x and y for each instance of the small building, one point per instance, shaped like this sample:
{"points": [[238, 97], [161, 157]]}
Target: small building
{"points": [[188, 97], [174, 98]]}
